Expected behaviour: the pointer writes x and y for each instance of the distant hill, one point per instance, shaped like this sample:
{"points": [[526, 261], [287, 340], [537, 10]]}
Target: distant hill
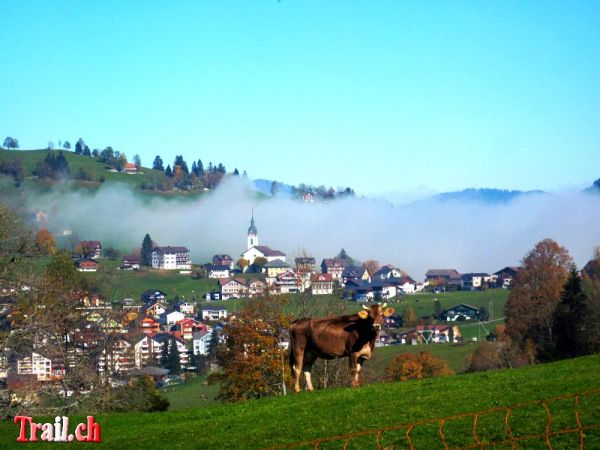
{"points": [[594, 188], [484, 195], [264, 187]]}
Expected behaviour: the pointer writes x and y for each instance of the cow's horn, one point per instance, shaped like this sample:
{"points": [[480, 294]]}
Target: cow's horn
{"points": [[366, 307], [384, 305]]}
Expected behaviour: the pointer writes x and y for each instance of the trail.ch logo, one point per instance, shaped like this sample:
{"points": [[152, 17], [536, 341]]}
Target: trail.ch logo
{"points": [[57, 431]]}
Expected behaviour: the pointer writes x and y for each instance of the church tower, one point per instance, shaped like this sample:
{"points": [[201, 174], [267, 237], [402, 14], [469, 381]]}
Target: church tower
{"points": [[252, 233]]}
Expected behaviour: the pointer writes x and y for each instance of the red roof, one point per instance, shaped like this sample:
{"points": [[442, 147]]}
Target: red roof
{"points": [[130, 166], [90, 264]]}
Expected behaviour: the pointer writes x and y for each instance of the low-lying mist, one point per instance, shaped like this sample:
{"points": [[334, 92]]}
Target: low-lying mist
{"points": [[467, 236]]}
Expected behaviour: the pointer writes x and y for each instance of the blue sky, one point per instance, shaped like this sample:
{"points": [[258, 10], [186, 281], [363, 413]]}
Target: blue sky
{"points": [[383, 96]]}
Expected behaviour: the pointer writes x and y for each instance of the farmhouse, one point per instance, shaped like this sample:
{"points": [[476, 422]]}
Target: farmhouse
{"points": [[445, 277], [130, 168], [506, 277], [171, 258], [321, 284], [87, 265], [131, 262], [460, 312], [388, 272], [355, 273], [475, 281], [153, 295]]}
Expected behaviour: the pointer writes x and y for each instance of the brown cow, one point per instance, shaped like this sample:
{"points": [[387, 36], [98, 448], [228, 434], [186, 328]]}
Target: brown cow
{"points": [[352, 336]]}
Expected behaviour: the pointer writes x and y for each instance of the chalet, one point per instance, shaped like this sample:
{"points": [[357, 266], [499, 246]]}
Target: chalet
{"points": [[475, 281], [321, 283], [385, 289], [460, 312], [130, 168], [153, 295], [406, 284], [355, 273], [223, 260], [262, 251], [231, 288], [131, 262], [335, 267], [171, 258], [35, 364], [305, 265], [90, 249], [388, 272], [288, 283], [275, 267], [201, 343], [393, 321], [185, 307], [155, 309], [149, 326], [506, 277], [213, 313], [218, 271], [87, 265]]}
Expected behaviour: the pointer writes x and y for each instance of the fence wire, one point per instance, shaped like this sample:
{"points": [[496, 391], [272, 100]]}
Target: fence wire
{"points": [[557, 418]]}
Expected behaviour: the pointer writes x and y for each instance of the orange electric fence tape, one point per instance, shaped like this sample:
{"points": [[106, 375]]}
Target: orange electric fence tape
{"points": [[513, 438]]}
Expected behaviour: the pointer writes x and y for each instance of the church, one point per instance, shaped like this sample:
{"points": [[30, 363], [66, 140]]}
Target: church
{"points": [[259, 251]]}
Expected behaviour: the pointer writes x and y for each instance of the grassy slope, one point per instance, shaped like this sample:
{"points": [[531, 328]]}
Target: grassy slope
{"points": [[273, 421]]}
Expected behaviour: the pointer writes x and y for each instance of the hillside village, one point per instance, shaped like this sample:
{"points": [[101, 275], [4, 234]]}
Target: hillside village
{"points": [[146, 332]]}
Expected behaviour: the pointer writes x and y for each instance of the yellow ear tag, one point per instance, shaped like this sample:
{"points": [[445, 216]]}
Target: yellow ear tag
{"points": [[363, 314], [388, 312]]}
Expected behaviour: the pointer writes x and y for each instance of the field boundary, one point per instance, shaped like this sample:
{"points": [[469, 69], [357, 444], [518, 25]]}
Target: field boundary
{"points": [[512, 437]]}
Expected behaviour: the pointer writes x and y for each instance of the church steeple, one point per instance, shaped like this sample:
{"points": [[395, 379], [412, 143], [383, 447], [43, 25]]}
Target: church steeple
{"points": [[252, 233]]}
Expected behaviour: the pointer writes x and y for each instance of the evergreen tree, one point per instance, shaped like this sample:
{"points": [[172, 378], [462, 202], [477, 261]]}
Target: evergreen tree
{"points": [[213, 345], [86, 151], [79, 146], [200, 168], [569, 319], [179, 161], [67, 145], [221, 169], [194, 168], [146, 252], [95, 153], [169, 172], [236, 172], [169, 358], [158, 164]]}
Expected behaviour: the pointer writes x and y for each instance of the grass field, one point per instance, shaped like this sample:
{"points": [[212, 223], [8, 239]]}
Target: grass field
{"points": [[284, 420]]}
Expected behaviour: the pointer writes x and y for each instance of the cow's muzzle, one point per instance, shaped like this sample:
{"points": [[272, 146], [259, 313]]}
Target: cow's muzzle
{"points": [[376, 327]]}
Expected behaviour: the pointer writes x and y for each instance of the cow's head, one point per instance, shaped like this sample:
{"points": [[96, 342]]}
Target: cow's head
{"points": [[375, 314]]}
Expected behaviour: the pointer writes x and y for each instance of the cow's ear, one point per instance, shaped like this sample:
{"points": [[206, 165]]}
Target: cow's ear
{"points": [[363, 314], [388, 312]]}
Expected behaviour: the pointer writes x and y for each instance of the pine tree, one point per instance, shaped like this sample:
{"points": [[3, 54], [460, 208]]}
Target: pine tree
{"points": [[169, 172], [158, 164], [569, 318], [200, 168], [146, 252], [236, 172]]}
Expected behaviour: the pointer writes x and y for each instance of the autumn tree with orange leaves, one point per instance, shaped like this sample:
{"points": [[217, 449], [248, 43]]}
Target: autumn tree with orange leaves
{"points": [[534, 298], [253, 362], [45, 242], [410, 366]]}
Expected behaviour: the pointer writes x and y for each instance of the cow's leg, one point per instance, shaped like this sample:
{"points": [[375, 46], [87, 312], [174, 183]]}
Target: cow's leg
{"points": [[355, 366], [297, 368], [309, 360]]}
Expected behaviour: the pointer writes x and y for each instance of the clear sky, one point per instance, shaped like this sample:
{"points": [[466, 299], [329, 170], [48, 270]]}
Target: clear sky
{"points": [[382, 96]]}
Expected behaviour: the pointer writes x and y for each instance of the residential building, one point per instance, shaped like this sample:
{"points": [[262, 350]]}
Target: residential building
{"points": [[35, 364], [131, 262], [444, 277], [505, 278], [148, 350], [223, 260], [156, 309], [461, 312], [184, 329], [218, 271], [149, 326], [475, 281], [172, 316], [288, 283], [201, 343], [388, 271], [171, 258], [335, 267], [256, 288], [119, 359], [87, 265], [153, 295], [213, 314], [130, 168], [186, 308], [321, 284], [305, 265], [275, 267], [355, 273], [231, 288]]}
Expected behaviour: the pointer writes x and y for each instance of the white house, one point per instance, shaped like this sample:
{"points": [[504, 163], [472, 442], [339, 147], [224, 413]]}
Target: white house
{"points": [[171, 258], [213, 313], [186, 308], [201, 343], [148, 350], [218, 271], [321, 283], [173, 317]]}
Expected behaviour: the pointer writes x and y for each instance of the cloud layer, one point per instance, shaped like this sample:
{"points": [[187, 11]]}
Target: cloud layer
{"points": [[468, 236]]}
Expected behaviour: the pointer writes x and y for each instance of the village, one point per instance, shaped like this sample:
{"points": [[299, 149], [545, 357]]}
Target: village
{"points": [[144, 334]]}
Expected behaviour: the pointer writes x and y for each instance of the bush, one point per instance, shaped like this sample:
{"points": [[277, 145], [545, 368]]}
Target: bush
{"points": [[408, 366]]}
